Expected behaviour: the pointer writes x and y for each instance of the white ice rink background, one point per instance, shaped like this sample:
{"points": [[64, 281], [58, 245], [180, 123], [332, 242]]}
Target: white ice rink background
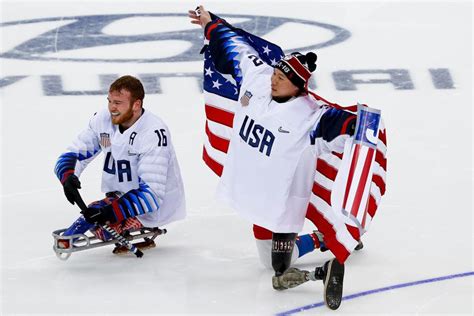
{"points": [[412, 60]]}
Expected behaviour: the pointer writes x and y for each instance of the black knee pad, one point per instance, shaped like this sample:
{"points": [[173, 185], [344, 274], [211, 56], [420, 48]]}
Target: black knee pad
{"points": [[282, 248]]}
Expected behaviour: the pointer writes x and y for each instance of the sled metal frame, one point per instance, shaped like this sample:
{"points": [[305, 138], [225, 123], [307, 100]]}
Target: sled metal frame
{"points": [[80, 242]]}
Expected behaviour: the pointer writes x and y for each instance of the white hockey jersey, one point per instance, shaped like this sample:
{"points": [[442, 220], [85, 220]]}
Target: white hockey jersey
{"points": [[266, 176], [140, 164]]}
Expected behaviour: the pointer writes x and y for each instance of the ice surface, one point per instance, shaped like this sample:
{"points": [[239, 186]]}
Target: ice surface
{"points": [[208, 263]]}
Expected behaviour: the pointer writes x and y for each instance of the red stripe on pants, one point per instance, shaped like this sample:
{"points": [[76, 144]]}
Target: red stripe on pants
{"points": [[261, 233]]}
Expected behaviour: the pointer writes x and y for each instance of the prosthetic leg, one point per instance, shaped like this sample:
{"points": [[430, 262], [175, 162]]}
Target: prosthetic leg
{"points": [[331, 273], [282, 248]]}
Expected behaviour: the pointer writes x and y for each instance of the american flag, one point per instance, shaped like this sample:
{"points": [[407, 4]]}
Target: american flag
{"points": [[347, 190], [221, 94]]}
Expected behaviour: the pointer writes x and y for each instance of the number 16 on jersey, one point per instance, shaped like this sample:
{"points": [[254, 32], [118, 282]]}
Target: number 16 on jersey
{"points": [[162, 142]]}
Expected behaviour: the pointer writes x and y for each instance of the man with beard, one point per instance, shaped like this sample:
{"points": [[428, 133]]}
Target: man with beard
{"points": [[140, 176]]}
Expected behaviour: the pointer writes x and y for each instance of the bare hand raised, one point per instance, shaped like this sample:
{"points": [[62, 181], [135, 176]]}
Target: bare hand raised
{"points": [[199, 16]]}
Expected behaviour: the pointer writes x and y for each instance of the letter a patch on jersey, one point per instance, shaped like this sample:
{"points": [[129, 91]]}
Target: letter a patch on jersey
{"points": [[105, 140]]}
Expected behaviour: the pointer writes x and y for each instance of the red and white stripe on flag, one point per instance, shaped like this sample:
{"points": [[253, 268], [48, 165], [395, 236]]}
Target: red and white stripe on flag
{"points": [[219, 122], [341, 232], [357, 184]]}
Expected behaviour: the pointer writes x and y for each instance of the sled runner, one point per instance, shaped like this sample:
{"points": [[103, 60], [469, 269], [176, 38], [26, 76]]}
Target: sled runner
{"points": [[64, 246]]}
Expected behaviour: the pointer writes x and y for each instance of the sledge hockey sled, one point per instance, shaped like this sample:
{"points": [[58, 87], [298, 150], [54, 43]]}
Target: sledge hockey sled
{"points": [[80, 242]]}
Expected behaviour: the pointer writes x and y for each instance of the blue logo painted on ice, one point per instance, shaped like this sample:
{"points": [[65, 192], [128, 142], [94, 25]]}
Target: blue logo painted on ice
{"points": [[88, 32]]}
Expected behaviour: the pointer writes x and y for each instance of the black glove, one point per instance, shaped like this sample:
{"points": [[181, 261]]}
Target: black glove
{"points": [[70, 186], [100, 215]]}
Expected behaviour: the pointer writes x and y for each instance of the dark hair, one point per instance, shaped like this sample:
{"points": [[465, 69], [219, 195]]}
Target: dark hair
{"points": [[131, 84]]}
